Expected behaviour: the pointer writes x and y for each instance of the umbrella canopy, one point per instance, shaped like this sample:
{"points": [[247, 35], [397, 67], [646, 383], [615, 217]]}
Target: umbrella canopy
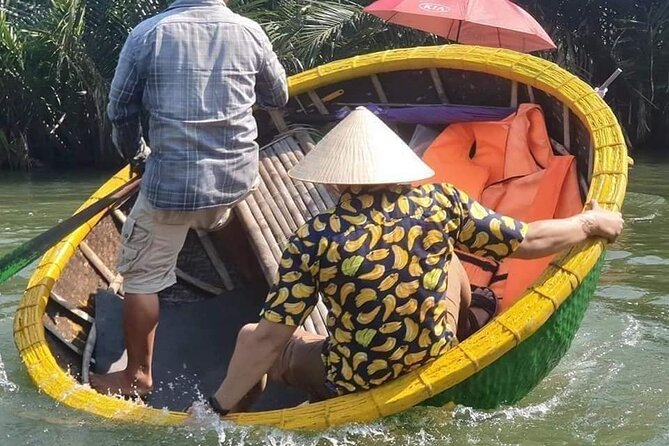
{"points": [[495, 23]]}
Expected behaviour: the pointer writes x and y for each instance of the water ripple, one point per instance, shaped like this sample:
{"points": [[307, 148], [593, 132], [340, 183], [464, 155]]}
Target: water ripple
{"points": [[648, 260]]}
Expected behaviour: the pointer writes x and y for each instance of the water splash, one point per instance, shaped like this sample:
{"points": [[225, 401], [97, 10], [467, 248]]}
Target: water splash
{"points": [[632, 334], [391, 430], [5, 384], [645, 218], [469, 415]]}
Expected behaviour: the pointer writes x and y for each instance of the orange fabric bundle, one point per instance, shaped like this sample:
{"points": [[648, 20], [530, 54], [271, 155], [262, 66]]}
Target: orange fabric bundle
{"points": [[509, 166]]}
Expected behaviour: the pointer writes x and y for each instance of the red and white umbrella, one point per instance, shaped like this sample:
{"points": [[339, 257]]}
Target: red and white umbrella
{"points": [[495, 23]]}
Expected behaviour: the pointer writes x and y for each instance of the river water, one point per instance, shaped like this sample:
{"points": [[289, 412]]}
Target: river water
{"points": [[611, 388]]}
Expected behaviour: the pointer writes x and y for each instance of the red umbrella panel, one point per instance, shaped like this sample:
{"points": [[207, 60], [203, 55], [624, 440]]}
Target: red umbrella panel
{"points": [[495, 23]]}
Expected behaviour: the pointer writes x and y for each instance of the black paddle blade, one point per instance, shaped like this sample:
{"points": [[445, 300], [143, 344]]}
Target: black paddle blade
{"points": [[31, 250]]}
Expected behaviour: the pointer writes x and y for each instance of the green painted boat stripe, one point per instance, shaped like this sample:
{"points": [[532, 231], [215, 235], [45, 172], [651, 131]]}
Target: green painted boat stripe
{"points": [[515, 374]]}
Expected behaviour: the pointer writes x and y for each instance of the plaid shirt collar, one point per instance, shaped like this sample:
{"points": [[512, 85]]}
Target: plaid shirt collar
{"points": [[195, 4]]}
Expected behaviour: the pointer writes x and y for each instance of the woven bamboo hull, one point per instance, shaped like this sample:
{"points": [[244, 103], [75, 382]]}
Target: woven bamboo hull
{"points": [[497, 365]]}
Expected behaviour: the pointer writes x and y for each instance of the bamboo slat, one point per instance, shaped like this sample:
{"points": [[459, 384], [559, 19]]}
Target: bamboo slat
{"points": [[309, 325], [316, 100], [265, 230], [251, 215], [294, 156], [530, 94], [283, 151], [81, 314], [268, 263], [198, 283], [297, 189], [51, 328], [438, 85], [376, 82], [264, 210], [280, 124], [263, 195], [514, 94], [319, 316], [566, 127], [275, 164], [297, 208], [283, 215]]}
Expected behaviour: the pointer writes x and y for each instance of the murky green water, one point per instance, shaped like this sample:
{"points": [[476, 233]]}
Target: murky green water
{"points": [[611, 388]]}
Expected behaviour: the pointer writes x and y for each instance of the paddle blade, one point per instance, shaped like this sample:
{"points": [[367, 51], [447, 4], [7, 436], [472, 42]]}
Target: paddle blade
{"points": [[24, 255]]}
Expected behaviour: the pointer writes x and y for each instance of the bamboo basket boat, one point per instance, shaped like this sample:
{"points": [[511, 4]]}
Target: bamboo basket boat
{"points": [[61, 312]]}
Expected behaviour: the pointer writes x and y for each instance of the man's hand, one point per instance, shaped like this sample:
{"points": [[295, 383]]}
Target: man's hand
{"points": [[138, 161], [598, 222], [137, 165]]}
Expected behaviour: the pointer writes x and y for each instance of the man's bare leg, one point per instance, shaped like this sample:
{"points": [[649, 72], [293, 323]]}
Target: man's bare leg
{"points": [[140, 320]]}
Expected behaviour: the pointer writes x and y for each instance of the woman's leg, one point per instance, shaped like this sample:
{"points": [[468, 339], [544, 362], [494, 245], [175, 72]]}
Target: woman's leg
{"points": [[468, 317], [247, 401], [458, 294]]}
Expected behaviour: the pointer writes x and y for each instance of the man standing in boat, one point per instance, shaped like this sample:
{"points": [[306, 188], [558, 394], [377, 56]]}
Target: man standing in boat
{"points": [[197, 69], [383, 260]]}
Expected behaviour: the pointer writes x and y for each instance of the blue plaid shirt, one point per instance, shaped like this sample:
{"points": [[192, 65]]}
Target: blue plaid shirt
{"points": [[198, 69]]}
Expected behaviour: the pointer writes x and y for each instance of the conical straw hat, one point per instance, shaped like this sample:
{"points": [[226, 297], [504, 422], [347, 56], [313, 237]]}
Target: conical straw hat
{"points": [[361, 149]]}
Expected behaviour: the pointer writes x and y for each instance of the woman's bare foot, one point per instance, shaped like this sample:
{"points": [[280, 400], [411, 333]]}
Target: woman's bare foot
{"points": [[123, 383]]}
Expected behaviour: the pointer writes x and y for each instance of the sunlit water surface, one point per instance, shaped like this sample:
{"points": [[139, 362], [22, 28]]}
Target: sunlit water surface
{"points": [[611, 388]]}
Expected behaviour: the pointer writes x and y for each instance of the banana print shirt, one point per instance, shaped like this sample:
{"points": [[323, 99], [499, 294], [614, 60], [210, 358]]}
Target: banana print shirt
{"points": [[380, 260]]}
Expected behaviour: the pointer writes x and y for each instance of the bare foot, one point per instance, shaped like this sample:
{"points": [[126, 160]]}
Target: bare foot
{"points": [[122, 383]]}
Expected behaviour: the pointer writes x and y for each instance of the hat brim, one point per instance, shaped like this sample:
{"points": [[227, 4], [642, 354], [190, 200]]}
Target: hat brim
{"points": [[361, 150]]}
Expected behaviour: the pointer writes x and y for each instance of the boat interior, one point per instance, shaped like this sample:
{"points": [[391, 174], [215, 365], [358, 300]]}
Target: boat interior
{"points": [[470, 126]]}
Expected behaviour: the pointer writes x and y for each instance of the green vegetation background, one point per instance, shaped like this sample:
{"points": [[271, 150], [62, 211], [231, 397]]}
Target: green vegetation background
{"points": [[57, 58]]}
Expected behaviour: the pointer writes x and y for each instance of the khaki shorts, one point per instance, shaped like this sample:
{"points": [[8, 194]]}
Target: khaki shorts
{"points": [[301, 365], [151, 240]]}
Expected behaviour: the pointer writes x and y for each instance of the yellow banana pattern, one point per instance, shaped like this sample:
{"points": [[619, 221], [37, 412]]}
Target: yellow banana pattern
{"points": [[381, 260]]}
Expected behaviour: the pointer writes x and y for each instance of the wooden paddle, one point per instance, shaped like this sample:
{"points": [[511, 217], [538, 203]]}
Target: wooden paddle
{"points": [[25, 254]]}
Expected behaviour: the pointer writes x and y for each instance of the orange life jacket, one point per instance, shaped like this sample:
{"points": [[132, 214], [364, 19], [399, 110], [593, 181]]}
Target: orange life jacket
{"points": [[508, 166]]}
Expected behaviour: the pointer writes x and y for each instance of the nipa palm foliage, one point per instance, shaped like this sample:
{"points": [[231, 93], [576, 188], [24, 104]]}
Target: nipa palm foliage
{"points": [[307, 33], [57, 58], [596, 36]]}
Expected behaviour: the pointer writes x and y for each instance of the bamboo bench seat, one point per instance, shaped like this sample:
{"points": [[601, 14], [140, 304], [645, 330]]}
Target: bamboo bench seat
{"points": [[277, 208]]}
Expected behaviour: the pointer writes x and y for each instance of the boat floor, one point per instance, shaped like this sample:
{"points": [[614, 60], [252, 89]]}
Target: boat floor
{"points": [[221, 286], [194, 345]]}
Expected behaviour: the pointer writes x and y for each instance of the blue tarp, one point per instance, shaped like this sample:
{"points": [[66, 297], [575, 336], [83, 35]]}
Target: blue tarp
{"points": [[435, 114]]}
